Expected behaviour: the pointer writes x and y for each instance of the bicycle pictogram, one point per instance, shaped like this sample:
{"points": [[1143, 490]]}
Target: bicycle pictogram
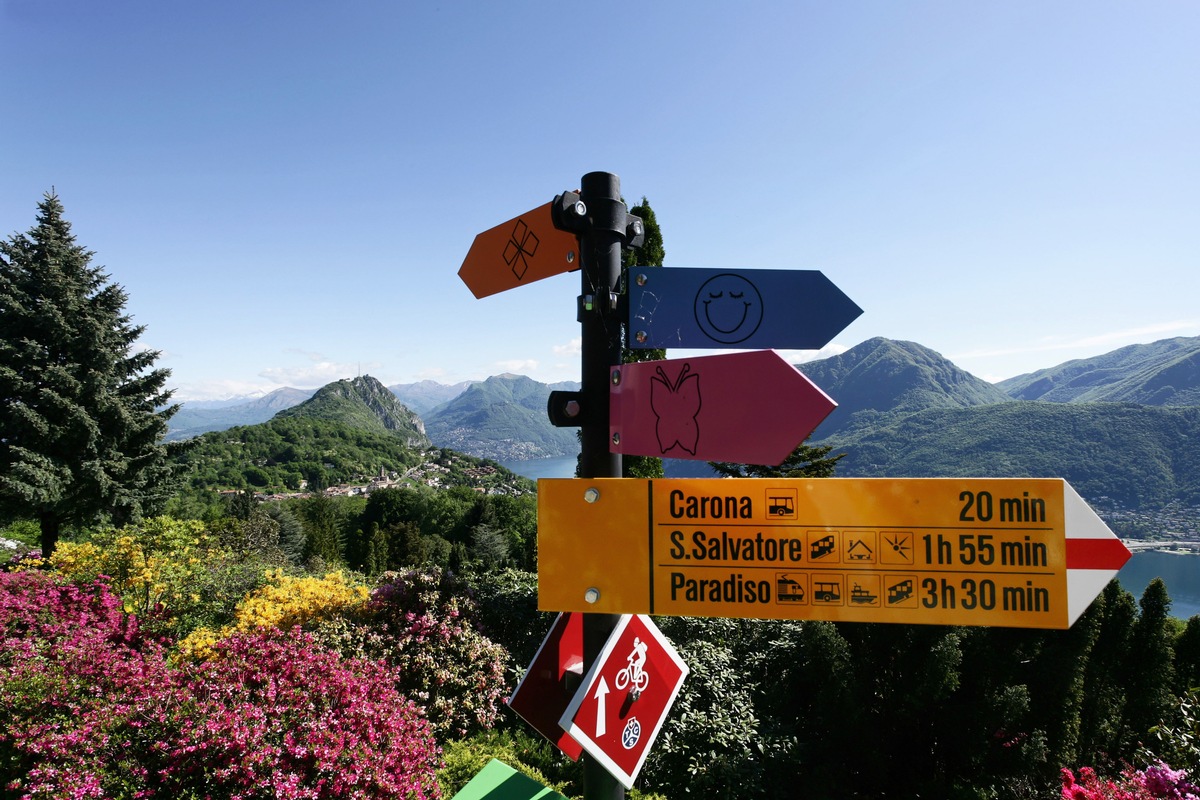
{"points": [[633, 673]]}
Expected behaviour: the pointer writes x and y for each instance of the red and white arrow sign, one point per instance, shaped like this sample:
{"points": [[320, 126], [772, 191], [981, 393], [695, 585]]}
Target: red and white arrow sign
{"points": [[1094, 554]]}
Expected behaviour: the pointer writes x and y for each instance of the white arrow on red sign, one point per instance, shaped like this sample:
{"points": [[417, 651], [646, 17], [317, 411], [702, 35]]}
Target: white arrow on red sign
{"points": [[625, 697], [601, 709]]}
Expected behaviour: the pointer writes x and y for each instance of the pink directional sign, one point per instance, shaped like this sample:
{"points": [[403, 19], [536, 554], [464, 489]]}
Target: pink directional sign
{"points": [[749, 408]]}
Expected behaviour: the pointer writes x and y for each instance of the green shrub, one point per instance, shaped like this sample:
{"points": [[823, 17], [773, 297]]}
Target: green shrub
{"points": [[465, 759]]}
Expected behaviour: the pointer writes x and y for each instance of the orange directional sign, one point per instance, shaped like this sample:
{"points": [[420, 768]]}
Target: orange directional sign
{"points": [[520, 251], [1026, 553]]}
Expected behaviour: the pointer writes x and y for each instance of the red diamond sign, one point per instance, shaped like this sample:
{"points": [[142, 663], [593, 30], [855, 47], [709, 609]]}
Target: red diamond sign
{"points": [[625, 697]]}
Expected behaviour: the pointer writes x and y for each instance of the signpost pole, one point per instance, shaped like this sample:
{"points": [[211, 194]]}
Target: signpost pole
{"points": [[600, 246]]}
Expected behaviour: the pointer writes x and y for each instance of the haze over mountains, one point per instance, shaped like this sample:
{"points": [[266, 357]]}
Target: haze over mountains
{"points": [[503, 418], [1123, 426], [195, 418]]}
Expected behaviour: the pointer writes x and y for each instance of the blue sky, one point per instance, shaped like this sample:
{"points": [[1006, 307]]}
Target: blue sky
{"points": [[287, 189]]}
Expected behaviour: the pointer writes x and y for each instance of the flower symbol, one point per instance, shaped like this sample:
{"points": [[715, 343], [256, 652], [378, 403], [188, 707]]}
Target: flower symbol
{"points": [[522, 245]]}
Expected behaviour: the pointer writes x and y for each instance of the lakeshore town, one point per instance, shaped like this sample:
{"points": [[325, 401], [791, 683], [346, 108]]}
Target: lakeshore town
{"points": [[435, 471], [1171, 529]]}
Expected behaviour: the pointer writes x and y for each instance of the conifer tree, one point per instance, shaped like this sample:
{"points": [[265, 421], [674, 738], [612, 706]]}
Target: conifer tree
{"points": [[1187, 657], [292, 538], [650, 254], [1102, 712], [806, 461], [1151, 673], [323, 524], [82, 410]]}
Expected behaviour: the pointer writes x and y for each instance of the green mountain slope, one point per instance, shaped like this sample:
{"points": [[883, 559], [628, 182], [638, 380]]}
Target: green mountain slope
{"points": [[1163, 373], [292, 453], [363, 404], [284, 452], [1113, 454], [503, 417], [882, 375]]}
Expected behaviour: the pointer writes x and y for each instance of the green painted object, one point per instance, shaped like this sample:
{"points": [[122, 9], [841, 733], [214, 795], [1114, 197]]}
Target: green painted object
{"points": [[499, 781]]}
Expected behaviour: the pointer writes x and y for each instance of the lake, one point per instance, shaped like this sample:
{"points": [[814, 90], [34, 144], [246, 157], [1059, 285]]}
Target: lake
{"points": [[558, 467], [1179, 571]]}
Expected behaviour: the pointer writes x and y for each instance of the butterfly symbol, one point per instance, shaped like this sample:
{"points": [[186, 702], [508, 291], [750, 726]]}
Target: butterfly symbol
{"points": [[676, 404]]}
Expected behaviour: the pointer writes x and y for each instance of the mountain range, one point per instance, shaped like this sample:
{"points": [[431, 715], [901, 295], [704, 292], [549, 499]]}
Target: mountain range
{"points": [[1124, 426], [1164, 373], [195, 418]]}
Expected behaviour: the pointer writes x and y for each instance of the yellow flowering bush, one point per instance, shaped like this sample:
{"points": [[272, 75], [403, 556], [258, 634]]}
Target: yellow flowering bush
{"points": [[26, 562], [283, 602], [287, 601], [174, 574], [151, 565]]}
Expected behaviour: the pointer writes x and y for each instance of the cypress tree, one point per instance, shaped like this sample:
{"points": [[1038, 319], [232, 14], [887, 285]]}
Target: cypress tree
{"points": [[650, 254], [1103, 709], [82, 411], [1187, 657], [1151, 673]]}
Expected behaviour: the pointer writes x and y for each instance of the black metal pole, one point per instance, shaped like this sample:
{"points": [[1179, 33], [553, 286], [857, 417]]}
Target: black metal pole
{"points": [[600, 267]]}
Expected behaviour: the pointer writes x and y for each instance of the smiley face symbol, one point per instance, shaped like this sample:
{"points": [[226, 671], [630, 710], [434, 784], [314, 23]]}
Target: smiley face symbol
{"points": [[729, 308]]}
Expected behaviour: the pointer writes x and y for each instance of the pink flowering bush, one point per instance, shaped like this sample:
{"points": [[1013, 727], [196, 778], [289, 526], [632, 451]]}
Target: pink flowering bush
{"points": [[279, 716], [92, 708], [423, 625], [1157, 782], [77, 684]]}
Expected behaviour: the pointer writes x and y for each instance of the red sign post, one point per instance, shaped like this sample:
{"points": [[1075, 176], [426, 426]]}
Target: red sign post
{"points": [[625, 697], [751, 408]]}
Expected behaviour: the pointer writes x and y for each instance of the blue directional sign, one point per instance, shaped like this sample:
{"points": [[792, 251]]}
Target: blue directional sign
{"points": [[743, 308]]}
